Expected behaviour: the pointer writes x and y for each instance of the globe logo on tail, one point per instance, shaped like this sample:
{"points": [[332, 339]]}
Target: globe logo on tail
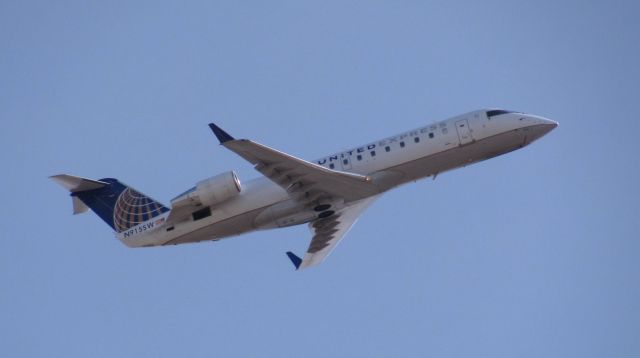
{"points": [[133, 208]]}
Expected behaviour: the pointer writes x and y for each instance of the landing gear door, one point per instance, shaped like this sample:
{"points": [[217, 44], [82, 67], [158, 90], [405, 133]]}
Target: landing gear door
{"points": [[464, 133]]}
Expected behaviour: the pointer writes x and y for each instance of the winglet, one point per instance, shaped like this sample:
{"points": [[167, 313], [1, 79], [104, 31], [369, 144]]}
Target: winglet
{"points": [[222, 135], [294, 259]]}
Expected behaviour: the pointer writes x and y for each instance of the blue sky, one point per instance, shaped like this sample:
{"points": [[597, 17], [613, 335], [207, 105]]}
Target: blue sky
{"points": [[532, 254]]}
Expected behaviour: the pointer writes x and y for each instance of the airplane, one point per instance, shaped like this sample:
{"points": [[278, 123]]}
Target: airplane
{"points": [[328, 194]]}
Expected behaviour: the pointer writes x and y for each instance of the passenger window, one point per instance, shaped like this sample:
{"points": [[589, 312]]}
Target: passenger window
{"points": [[373, 153], [359, 157], [431, 135], [401, 144], [416, 139], [345, 161], [331, 166], [387, 148]]}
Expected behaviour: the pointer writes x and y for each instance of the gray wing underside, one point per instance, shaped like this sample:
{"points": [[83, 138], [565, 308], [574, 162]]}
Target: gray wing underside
{"points": [[328, 232]]}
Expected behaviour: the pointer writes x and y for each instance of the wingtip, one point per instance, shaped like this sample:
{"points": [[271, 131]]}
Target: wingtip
{"points": [[220, 134], [295, 260]]}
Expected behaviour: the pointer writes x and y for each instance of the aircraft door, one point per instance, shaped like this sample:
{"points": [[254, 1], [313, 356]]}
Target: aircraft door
{"points": [[345, 159], [464, 133]]}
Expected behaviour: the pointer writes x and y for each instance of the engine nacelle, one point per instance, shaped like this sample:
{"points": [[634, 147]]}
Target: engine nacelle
{"points": [[211, 191]]}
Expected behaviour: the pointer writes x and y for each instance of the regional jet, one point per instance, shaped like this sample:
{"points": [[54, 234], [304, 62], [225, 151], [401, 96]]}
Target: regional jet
{"points": [[328, 194]]}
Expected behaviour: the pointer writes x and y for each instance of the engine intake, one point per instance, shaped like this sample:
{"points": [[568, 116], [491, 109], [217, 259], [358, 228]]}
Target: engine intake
{"points": [[211, 191]]}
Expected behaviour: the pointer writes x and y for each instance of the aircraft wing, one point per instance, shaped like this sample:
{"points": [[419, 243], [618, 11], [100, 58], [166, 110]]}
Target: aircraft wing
{"points": [[304, 180], [328, 232]]}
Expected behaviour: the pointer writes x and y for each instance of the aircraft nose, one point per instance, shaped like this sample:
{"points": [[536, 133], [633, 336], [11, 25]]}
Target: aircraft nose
{"points": [[539, 128], [548, 125]]}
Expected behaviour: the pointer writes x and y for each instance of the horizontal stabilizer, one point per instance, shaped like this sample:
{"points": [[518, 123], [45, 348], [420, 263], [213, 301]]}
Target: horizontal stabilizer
{"points": [[78, 206], [75, 184], [294, 259]]}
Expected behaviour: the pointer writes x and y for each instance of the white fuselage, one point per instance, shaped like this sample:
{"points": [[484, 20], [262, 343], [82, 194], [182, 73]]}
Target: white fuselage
{"points": [[390, 162]]}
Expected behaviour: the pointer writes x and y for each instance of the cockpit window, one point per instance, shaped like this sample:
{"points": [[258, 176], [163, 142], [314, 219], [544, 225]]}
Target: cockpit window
{"points": [[497, 112]]}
